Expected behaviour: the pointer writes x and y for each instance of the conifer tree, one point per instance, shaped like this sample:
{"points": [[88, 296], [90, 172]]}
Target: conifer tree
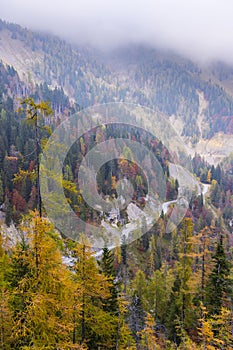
{"points": [[107, 268], [219, 285], [148, 338], [41, 289], [136, 318], [33, 111], [152, 254], [124, 262], [5, 312], [182, 310], [96, 327], [159, 292], [124, 339], [216, 331]]}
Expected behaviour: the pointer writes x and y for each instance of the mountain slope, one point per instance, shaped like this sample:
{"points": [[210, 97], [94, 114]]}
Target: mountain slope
{"points": [[45, 58], [200, 108]]}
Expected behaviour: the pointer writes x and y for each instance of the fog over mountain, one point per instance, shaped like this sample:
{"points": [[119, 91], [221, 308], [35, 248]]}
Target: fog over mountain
{"points": [[202, 30]]}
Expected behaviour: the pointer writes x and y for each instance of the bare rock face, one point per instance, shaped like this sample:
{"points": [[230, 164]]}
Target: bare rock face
{"points": [[134, 212], [11, 235]]}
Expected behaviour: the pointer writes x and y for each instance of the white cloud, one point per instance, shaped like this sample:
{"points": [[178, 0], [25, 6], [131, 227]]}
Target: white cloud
{"points": [[199, 28]]}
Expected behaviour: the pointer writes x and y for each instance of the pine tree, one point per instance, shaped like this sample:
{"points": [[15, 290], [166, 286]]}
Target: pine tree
{"points": [[96, 327], [107, 267], [222, 329], [152, 256], [182, 310], [9, 211], [219, 285], [159, 292]]}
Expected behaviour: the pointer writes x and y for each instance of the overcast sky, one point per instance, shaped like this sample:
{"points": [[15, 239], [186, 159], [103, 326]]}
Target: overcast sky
{"points": [[198, 28]]}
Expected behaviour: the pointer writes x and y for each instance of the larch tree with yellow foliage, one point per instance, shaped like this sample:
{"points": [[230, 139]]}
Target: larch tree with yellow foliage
{"points": [[95, 327], [41, 289]]}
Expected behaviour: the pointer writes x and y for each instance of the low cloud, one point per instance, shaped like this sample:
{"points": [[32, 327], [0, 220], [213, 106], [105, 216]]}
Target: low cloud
{"points": [[200, 29]]}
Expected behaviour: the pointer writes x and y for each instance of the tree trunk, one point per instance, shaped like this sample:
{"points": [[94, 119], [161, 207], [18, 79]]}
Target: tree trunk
{"points": [[38, 168]]}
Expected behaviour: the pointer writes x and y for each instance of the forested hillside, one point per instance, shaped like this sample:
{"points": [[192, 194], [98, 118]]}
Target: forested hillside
{"points": [[173, 84], [163, 290], [48, 59], [145, 76]]}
